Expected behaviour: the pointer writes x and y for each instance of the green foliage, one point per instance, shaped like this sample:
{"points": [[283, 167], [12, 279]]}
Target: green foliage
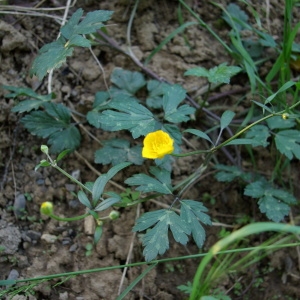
{"points": [[219, 74], [55, 124], [287, 143], [273, 202], [229, 173], [32, 99], [160, 184], [156, 239], [116, 151], [53, 55], [259, 134]]}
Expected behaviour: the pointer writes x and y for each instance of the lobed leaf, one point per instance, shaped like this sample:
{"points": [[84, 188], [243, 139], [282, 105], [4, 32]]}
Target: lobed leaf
{"points": [[259, 135], [173, 96], [287, 143], [149, 184], [156, 239], [116, 151], [127, 80]]}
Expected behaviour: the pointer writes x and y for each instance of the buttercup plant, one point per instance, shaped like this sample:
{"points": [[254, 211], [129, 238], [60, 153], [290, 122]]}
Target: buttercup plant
{"points": [[158, 120]]}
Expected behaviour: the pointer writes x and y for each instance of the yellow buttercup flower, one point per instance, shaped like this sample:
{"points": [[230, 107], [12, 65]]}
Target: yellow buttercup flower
{"points": [[157, 144], [47, 208]]}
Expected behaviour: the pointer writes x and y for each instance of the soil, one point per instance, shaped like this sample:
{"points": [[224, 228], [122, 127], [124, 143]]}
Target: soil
{"points": [[36, 245]]}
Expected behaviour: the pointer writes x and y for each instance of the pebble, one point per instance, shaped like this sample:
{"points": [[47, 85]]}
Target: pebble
{"points": [[49, 238], [13, 275], [34, 235], [19, 205]]}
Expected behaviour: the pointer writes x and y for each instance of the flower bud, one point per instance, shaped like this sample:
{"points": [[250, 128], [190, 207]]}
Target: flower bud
{"points": [[285, 116], [113, 215], [45, 149], [47, 208]]}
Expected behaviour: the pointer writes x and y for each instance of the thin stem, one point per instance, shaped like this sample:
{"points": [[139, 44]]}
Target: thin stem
{"points": [[77, 218]]}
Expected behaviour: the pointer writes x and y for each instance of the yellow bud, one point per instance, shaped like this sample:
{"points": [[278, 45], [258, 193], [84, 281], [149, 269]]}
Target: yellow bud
{"points": [[285, 116], [47, 208]]}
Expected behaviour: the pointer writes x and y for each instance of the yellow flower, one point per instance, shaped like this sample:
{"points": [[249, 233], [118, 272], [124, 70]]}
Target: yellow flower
{"points": [[157, 144], [47, 208]]}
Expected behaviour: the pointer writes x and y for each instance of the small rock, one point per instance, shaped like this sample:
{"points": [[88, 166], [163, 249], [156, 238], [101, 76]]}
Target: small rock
{"points": [[13, 275], [10, 238], [19, 205], [63, 296], [73, 248], [49, 238], [89, 225], [34, 235]]}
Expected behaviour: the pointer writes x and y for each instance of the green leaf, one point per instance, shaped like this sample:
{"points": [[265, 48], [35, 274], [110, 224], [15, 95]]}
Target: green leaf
{"points": [[273, 202], [51, 56], [192, 213], [127, 80], [53, 123], [199, 133], [229, 173], [98, 234], [173, 96], [34, 100], [130, 115], [116, 151], [226, 118], [259, 135], [240, 142], [264, 107], [105, 204], [235, 13], [156, 239], [219, 74], [277, 122], [62, 154], [102, 180], [285, 87], [156, 92], [149, 184], [7, 282], [83, 199], [287, 143]]}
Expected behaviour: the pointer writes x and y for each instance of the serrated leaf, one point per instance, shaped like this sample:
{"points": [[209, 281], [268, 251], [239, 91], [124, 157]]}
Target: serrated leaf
{"points": [[226, 118], [156, 240], [34, 100], [218, 74], [287, 143], [173, 96], [274, 209], [192, 213], [116, 151], [197, 71], [51, 56], [273, 202], [105, 204], [79, 40], [53, 123], [149, 184], [259, 135], [277, 122], [102, 180], [131, 116], [229, 173], [83, 199], [156, 91], [127, 80], [199, 133], [222, 73], [235, 13]]}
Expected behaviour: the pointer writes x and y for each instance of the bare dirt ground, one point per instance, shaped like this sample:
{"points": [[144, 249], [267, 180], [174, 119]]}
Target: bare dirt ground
{"points": [[36, 245]]}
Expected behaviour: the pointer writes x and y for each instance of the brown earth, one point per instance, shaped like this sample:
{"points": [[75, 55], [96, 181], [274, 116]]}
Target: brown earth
{"points": [[37, 245]]}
